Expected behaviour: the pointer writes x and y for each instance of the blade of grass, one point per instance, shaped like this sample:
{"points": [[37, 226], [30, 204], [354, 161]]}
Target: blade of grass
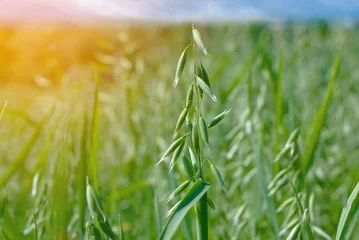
{"points": [[321, 232], [299, 204], [278, 105], [218, 177], [157, 214], [94, 142], [319, 120], [81, 180], [122, 234], [352, 225], [345, 213], [294, 232], [180, 66], [20, 159], [197, 190], [306, 229]]}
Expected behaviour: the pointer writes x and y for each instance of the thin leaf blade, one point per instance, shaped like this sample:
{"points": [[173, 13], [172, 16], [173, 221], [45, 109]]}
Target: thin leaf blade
{"points": [[197, 190], [202, 84], [345, 212]]}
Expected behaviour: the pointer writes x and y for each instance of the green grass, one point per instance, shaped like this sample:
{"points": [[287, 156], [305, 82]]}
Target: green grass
{"points": [[268, 115]]}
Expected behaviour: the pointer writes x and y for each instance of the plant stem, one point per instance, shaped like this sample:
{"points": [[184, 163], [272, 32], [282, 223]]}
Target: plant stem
{"points": [[202, 205], [202, 218], [202, 210]]}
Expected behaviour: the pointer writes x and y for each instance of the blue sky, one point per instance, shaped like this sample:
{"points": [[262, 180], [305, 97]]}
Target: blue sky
{"points": [[180, 10], [226, 9]]}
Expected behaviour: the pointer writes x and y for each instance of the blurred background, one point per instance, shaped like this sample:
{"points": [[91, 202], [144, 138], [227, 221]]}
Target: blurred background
{"points": [[86, 90]]}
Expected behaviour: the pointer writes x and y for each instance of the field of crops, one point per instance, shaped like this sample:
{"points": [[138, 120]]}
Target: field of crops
{"points": [[228, 131]]}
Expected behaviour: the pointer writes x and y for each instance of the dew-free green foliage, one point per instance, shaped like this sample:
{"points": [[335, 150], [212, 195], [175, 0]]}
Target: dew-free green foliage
{"points": [[194, 194], [346, 211], [197, 194], [98, 226], [258, 139]]}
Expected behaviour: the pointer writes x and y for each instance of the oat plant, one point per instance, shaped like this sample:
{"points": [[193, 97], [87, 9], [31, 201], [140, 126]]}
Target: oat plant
{"points": [[191, 136], [98, 227]]}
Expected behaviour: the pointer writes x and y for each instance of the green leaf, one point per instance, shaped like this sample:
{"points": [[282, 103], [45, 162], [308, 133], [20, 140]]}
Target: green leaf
{"points": [[188, 166], [219, 178], [307, 230], [189, 98], [203, 129], [293, 137], [285, 204], [321, 232], [289, 225], [279, 176], [180, 66], [189, 124], [172, 148], [319, 120], [278, 104], [92, 201], [199, 41], [195, 138], [202, 84], [211, 204], [204, 75], [169, 212], [93, 230], [176, 155], [122, 235], [345, 212], [197, 190], [299, 204], [181, 119], [81, 176], [94, 141], [294, 232], [282, 153], [217, 119], [106, 229], [193, 156], [178, 190]]}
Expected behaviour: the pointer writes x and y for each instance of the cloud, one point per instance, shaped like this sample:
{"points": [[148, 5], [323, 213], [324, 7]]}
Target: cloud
{"points": [[175, 10], [180, 10], [171, 10]]}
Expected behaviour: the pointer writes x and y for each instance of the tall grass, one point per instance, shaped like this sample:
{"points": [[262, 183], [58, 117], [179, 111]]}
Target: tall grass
{"points": [[193, 114], [259, 137]]}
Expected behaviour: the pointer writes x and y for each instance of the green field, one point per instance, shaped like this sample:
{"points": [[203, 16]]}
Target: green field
{"points": [[99, 104]]}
